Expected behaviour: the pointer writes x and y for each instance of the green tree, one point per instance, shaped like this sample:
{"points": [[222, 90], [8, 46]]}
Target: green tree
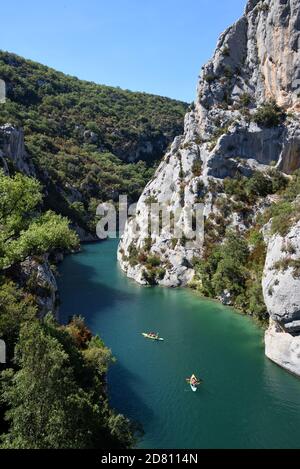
{"points": [[231, 273], [23, 231], [225, 268], [259, 185], [57, 397], [269, 115], [16, 307]]}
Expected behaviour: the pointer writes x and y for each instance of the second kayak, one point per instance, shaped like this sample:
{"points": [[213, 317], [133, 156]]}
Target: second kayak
{"points": [[194, 382], [152, 336]]}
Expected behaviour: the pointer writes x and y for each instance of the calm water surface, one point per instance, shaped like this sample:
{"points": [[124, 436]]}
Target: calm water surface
{"points": [[245, 401]]}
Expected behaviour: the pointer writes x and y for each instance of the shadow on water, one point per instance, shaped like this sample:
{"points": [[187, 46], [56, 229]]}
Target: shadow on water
{"points": [[125, 393], [84, 293]]}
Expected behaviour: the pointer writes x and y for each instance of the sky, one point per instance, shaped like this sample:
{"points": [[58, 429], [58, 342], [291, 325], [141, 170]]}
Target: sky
{"points": [[156, 46]]}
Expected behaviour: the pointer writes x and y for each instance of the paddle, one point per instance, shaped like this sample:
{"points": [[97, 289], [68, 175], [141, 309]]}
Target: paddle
{"points": [[188, 380]]}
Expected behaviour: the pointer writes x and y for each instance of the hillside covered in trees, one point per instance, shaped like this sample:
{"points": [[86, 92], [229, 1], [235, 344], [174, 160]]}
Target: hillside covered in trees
{"points": [[88, 142]]}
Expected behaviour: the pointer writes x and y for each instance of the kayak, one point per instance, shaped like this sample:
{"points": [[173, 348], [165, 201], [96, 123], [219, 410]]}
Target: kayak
{"points": [[193, 382], [148, 336]]}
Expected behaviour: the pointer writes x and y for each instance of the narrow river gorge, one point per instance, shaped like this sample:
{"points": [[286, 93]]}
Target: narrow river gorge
{"points": [[245, 400]]}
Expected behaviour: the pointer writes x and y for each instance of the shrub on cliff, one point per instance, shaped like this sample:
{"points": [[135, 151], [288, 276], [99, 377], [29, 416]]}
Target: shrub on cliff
{"points": [[248, 190], [269, 115], [286, 211], [258, 185], [197, 168]]}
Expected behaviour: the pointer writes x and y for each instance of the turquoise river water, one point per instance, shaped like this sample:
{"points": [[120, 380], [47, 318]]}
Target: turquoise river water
{"points": [[245, 400]]}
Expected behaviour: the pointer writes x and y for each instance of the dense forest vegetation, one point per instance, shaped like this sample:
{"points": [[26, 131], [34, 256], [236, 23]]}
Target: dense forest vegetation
{"points": [[89, 142], [53, 385]]}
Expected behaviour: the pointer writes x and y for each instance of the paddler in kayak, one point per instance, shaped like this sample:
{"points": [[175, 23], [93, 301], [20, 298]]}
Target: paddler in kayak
{"points": [[193, 380], [155, 336], [152, 336]]}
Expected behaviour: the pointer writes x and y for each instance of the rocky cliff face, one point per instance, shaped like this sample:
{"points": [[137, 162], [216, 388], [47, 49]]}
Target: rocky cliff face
{"points": [[37, 276], [281, 287], [245, 119], [12, 151]]}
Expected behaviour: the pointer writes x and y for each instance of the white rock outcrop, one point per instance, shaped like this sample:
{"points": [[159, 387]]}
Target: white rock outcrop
{"points": [[12, 149], [281, 288], [281, 281], [283, 348]]}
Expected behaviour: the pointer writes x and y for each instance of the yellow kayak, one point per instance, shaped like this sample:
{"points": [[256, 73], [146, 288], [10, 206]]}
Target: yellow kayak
{"points": [[151, 337]]}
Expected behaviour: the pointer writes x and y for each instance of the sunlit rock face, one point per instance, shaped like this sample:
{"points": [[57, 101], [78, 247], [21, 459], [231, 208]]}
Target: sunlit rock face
{"points": [[281, 288], [283, 348]]}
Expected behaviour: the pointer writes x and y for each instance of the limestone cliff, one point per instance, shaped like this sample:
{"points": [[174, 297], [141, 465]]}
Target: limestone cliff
{"points": [[37, 277], [12, 151], [245, 119], [281, 286]]}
